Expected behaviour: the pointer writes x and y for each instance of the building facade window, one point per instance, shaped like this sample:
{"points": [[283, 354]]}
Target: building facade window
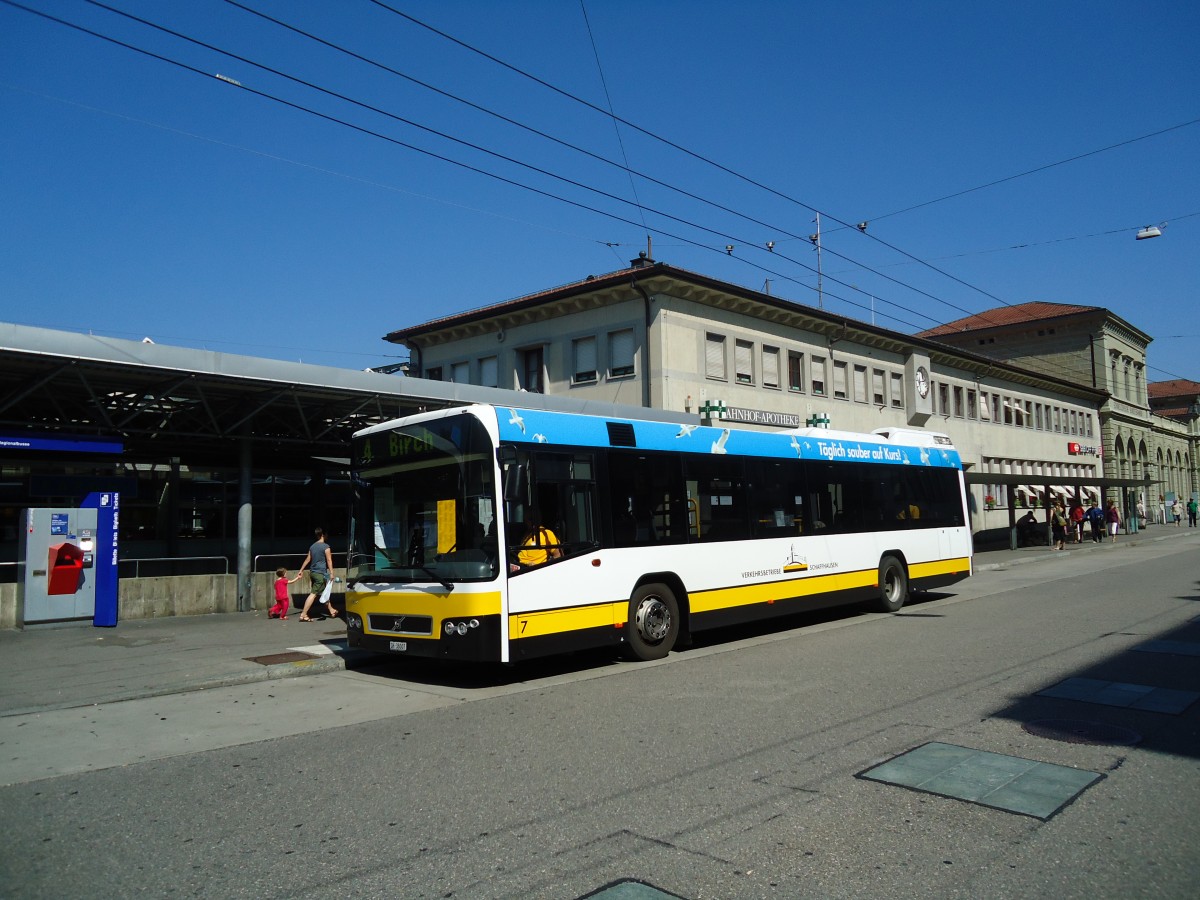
{"points": [[489, 372], [620, 353], [972, 404], [818, 376], [958, 402], [878, 390], [714, 356], [839, 380], [531, 373], [584, 352], [860, 384], [743, 361], [897, 391], [434, 373], [460, 373], [770, 367], [795, 371]]}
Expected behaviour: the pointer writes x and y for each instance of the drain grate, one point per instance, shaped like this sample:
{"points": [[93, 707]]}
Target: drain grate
{"points": [[277, 658], [1075, 731]]}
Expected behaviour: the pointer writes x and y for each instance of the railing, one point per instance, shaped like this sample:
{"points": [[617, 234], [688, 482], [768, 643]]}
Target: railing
{"points": [[171, 564], [297, 557]]}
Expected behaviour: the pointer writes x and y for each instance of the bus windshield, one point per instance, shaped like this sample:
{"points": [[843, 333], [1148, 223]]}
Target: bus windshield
{"points": [[425, 503]]}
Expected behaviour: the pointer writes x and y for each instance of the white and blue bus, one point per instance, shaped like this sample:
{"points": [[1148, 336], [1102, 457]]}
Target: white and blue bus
{"points": [[491, 533]]}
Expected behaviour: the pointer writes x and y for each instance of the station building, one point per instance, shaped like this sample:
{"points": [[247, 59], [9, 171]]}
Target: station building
{"points": [[1040, 399], [225, 463]]}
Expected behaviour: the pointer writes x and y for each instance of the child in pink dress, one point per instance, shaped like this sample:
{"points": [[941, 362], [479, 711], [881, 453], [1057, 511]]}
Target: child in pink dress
{"points": [[283, 599]]}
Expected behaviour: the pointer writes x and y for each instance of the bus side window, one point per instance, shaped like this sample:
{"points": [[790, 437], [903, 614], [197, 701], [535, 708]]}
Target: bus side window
{"points": [[647, 497]]}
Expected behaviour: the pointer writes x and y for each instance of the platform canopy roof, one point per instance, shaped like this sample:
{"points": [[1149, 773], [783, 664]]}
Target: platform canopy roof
{"points": [[164, 401]]}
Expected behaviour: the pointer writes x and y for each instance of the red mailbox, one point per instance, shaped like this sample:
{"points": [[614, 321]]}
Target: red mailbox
{"points": [[65, 569]]}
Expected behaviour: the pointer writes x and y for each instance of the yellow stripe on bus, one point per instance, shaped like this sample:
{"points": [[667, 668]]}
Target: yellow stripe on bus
{"points": [[727, 598], [610, 615], [940, 567], [575, 618]]}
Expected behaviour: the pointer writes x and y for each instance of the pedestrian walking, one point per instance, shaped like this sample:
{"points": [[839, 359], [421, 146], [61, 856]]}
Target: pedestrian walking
{"points": [[1095, 517], [1192, 508], [283, 598], [1112, 518], [1058, 524], [1177, 511], [319, 562], [1076, 522]]}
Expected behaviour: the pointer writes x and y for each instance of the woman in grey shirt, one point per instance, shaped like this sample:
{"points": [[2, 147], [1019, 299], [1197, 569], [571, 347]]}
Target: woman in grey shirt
{"points": [[319, 563]]}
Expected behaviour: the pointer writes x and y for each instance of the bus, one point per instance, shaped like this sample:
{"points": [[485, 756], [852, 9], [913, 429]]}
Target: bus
{"points": [[490, 533]]}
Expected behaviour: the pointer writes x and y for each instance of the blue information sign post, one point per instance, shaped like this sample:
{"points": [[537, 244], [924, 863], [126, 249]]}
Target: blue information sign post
{"points": [[107, 506]]}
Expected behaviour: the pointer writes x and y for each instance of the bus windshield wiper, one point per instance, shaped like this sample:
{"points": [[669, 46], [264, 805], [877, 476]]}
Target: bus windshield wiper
{"points": [[447, 585]]}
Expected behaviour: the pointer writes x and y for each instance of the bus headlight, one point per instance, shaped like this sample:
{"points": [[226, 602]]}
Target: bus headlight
{"points": [[353, 620], [459, 628]]}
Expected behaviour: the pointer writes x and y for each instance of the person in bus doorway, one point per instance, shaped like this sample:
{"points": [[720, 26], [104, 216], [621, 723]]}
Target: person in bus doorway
{"points": [[319, 563], [540, 544]]}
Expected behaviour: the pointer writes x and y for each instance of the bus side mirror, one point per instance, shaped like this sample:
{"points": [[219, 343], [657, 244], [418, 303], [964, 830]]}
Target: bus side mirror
{"points": [[516, 477]]}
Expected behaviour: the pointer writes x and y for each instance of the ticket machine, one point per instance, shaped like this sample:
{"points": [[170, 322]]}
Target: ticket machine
{"points": [[68, 564]]}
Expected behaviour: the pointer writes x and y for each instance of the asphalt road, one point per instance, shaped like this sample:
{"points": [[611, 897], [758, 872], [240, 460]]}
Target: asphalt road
{"points": [[728, 770]]}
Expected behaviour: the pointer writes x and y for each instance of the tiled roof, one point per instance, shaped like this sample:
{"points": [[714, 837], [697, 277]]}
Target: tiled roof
{"points": [[1176, 388], [482, 311], [1172, 413], [1034, 311]]}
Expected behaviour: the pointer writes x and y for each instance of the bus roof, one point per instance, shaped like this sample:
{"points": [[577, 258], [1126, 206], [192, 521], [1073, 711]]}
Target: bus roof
{"points": [[518, 425], [548, 428]]}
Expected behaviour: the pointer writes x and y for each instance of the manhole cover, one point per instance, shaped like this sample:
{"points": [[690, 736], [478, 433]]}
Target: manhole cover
{"points": [[276, 658], [1073, 731]]}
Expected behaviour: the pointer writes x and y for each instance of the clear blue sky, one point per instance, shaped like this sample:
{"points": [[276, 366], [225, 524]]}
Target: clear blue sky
{"points": [[142, 199]]}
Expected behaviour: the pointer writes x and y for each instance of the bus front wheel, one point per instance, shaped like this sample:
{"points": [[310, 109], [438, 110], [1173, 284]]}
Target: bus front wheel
{"points": [[653, 622], [893, 585]]}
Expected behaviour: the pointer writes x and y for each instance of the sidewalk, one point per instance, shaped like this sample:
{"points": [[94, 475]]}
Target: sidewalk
{"points": [[80, 665]]}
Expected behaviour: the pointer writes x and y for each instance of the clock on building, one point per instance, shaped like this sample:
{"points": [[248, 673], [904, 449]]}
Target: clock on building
{"points": [[922, 379]]}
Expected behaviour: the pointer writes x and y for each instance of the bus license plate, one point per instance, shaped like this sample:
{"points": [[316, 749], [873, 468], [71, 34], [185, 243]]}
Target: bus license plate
{"points": [[399, 646]]}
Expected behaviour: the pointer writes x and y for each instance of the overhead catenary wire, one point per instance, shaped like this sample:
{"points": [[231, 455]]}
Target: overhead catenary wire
{"points": [[545, 172], [723, 235], [691, 153], [774, 229], [608, 100], [743, 241], [441, 157]]}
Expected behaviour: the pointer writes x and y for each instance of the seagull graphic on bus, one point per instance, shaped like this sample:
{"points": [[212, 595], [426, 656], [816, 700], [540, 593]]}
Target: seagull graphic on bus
{"points": [[719, 444]]}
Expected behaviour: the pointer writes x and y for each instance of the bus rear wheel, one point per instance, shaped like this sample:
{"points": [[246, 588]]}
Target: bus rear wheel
{"points": [[893, 585], [653, 622]]}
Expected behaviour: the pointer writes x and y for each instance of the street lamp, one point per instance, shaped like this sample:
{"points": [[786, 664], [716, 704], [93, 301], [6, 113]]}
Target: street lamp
{"points": [[1150, 231]]}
